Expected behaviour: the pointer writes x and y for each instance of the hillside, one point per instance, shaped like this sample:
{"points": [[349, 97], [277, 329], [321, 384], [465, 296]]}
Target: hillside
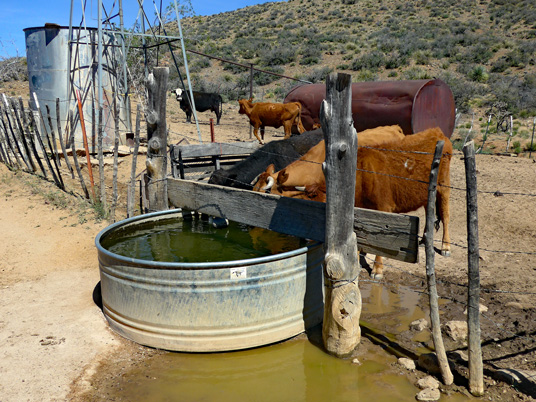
{"points": [[485, 50]]}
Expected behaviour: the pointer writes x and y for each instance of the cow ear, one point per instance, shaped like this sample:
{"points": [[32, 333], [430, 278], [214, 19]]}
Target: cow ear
{"points": [[270, 169], [282, 176]]}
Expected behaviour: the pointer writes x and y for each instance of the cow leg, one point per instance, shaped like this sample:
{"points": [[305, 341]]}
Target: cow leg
{"points": [[256, 133], [443, 212], [377, 270], [288, 129], [188, 117]]}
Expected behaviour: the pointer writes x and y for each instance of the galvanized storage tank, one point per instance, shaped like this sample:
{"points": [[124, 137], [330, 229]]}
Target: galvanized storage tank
{"points": [[415, 105], [48, 75], [208, 306]]}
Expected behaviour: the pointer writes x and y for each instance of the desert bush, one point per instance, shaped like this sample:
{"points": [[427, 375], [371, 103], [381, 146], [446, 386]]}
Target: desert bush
{"points": [[370, 61], [479, 74]]}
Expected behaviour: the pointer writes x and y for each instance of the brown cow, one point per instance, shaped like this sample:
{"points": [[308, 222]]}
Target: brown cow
{"points": [[262, 114], [307, 171], [393, 178]]}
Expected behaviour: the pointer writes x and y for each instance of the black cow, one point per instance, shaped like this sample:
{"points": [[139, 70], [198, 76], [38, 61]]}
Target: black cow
{"points": [[203, 101], [280, 153]]}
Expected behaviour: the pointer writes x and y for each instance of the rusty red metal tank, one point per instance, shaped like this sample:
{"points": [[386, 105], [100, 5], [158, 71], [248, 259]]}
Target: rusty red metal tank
{"points": [[415, 105]]}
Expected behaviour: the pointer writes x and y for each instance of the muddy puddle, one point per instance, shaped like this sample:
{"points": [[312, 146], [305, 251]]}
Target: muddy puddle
{"points": [[295, 370]]}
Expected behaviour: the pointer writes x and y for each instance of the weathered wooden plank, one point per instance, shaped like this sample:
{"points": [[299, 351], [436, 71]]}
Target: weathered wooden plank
{"points": [[390, 235], [216, 149]]}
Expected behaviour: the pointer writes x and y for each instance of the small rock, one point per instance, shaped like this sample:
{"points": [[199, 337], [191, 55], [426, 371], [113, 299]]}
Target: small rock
{"points": [[428, 394], [428, 382], [356, 361], [407, 363], [515, 305], [481, 308], [419, 325], [456, 330]]}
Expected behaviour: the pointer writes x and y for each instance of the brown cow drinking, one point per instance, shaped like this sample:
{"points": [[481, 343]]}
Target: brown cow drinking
{"points": [[262, 114], [391, 177]]}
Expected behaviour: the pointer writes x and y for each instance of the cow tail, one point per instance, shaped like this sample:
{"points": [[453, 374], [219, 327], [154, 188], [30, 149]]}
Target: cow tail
{"points": [[299, 119], [221, 106]]}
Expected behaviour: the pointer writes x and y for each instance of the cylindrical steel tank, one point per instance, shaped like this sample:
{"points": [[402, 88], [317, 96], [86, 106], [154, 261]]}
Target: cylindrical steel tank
{"points": [[48, 75], [206, 307], [415, 105]]}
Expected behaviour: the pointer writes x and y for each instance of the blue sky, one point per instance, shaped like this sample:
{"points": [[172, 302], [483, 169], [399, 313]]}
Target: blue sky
{"points": [[16, 15]]}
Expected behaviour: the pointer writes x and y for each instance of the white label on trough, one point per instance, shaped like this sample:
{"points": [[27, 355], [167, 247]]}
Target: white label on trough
{"points": [[239, 273]]}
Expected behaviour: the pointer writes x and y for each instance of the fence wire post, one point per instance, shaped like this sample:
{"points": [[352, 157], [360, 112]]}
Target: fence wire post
{"points": [[476, 375], [430, 271]]}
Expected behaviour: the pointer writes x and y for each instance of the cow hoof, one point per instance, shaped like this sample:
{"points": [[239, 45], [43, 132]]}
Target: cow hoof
{"points": [[445, 253], [376, 277]]}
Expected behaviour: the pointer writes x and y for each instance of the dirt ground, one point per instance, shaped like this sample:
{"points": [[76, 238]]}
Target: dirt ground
{"points": [[54, 338]]}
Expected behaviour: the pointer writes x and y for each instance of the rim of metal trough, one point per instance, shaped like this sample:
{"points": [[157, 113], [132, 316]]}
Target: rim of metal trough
{"points": [[191, 265]]}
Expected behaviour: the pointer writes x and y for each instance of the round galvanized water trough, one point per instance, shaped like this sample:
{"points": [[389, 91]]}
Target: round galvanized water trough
{"points": [[211, 306]]}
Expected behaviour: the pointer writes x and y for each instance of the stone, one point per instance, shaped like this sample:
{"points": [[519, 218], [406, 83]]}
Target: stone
{"points": [[428, 382], [456, 330], [356, 361], [515, 305], [429, 394], [419, 325], [481, 309], [407, 363]]}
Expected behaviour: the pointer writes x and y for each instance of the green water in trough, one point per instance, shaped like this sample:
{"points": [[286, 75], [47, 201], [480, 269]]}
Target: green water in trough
{"points": [[197, 240]]}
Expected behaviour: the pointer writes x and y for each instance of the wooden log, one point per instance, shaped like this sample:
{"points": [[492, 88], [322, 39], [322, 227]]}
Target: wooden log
{"points": [[342, 307], [11, 140], [57, 178], [430, 268], [33, 123], [102, 184], [52, 133], [476, 375], [4, 143], [16, 135], [60, 138], [75, 160], [132, 188], [157, 139], [298, 217], [30, 137], [21, 133]]}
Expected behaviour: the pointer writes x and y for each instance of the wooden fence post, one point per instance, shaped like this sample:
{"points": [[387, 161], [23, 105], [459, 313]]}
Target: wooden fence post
{"points": [[132, 187], [157, 139], [430, 271], [30, 137], [476, 375], [342, 307]]}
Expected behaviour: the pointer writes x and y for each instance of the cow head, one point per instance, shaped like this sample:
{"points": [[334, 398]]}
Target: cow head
{"points": [[178, 94], [264, 182]]}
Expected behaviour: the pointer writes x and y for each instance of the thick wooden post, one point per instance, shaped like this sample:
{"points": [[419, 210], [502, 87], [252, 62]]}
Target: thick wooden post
{"points": [[476, 375], [430, 269], [342, 307], [157, 139]]}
